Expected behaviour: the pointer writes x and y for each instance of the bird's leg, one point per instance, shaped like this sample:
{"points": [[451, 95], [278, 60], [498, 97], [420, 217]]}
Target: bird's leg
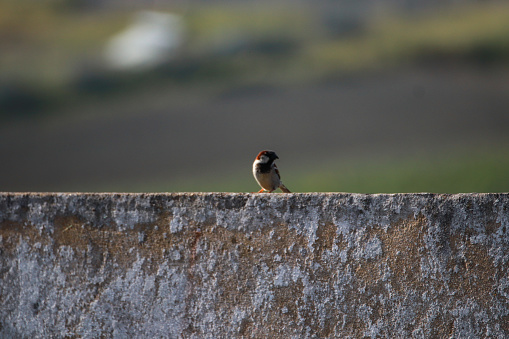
{"points": [[261, 191]]}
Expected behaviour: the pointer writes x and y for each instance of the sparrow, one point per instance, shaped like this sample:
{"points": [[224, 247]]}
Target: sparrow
{"points": [[266, 173]]}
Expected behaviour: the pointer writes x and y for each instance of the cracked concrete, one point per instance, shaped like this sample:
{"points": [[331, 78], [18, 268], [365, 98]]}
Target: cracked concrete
{"points": [[211, 265]]}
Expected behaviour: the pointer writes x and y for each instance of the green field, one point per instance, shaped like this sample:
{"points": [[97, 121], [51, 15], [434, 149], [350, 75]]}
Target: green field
{"points": [[451, 172]]}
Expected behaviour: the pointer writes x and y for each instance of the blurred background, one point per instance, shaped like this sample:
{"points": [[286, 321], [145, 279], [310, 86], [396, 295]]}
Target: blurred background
{"points": [[365, 96]]}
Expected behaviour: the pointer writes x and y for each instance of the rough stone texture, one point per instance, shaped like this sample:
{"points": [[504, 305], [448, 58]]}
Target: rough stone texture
{"points": [[254, 265]]}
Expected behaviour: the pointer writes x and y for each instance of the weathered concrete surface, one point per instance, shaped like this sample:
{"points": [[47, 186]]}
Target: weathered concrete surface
{"points": [[254, 265]]}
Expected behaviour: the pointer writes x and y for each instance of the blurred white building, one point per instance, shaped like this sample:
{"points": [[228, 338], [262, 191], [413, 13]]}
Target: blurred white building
{"points": [[153, 38]]}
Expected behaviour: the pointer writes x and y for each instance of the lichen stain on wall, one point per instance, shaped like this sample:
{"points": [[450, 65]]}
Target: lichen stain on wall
{"points": [[254, 265]]}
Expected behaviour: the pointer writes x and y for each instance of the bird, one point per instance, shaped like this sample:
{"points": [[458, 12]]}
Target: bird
{"points": [[266, 173]]}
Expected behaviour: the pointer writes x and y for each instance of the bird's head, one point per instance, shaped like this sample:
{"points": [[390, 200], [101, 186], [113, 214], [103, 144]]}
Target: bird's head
{"points": [[267, 156]]}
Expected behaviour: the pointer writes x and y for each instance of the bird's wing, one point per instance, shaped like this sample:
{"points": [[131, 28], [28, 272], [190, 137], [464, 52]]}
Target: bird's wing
{"points": [[277, 171]]}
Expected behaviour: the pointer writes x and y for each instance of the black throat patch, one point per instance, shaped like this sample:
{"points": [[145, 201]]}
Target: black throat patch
{"points": [[264, 167]]}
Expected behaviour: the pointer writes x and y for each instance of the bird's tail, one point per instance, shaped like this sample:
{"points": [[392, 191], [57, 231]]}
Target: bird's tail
{"points": [[284, 189]]}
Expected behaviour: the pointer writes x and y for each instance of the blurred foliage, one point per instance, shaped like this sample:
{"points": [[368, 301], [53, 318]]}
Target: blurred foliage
{"points": [[473, 33], [51, 51]]}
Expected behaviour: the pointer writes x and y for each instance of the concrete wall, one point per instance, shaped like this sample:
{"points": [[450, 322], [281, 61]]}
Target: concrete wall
{"points": [[254, 265]]}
